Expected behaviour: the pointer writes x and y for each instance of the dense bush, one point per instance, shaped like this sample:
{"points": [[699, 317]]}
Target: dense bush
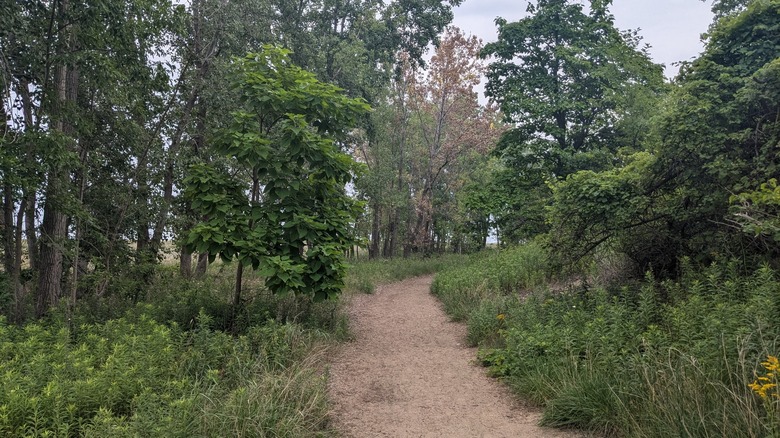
{"points": [[133, 376], [671, 358], [181, 363], [488, 276]]}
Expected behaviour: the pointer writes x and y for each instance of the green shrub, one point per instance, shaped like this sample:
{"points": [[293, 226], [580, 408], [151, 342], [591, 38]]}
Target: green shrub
{"points": [[646, 360], [136, 377], [487, 323], [487, 276]]}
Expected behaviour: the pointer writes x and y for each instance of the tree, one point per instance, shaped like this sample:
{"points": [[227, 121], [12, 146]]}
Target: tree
{"points": [[351, 43], [294, 221], [757, 213], [452, 125], [722, 8], [82, 84], [717, 146], [720, 132], [564, 79], [435, 122]]}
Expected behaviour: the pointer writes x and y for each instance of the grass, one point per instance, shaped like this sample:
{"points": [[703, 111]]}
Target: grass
{"points": [[168, 366], [365, 275], [489, 278], [649, 359]]}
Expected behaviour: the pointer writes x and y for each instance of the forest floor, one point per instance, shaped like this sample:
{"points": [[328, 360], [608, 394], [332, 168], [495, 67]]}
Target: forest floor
{"points": [[408, 373]]}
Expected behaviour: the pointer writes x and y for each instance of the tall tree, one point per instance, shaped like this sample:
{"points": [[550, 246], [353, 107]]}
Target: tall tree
{"points": [[435, 120], [562, 76], [451, 123], [717, 145], [85, 85], [351, 43]]}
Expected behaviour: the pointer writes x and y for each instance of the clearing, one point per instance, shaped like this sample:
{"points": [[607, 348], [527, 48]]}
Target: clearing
{"points": [[408, 373]]}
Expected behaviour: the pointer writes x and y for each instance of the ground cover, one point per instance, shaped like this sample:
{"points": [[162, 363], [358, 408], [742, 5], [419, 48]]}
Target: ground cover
{"points": [[692, 357]]}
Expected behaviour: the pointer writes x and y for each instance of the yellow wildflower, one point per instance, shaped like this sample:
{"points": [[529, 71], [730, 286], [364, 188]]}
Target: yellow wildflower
{"points": [[771, 364], [500, 317], [765, 386]]}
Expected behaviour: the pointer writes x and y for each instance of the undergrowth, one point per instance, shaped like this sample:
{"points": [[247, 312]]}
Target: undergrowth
{"points": [[658, 358], [488, 277], [179, 363], [134, 376], [364, 276]]}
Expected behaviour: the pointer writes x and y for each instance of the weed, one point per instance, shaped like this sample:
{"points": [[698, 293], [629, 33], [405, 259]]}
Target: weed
{"points": [[688, 358]]}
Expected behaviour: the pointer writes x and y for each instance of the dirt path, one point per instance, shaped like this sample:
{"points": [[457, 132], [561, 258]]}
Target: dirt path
{"points": [[408, 374]]}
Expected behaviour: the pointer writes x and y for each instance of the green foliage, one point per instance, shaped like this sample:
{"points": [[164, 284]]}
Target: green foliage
{"points": [[720, 132], [295, 224], [488, 275], [575, 87], [611, 210], [716, 145], [758, 212], [365, 275], [133, 376], [632, 361]]}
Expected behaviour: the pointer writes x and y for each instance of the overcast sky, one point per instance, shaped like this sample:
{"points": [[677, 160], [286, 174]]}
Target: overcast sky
{"points": [[671, 27]]}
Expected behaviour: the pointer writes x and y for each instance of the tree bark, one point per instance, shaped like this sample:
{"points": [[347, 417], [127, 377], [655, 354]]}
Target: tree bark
{"points": [[53, 235], [29, 195], [54, 225], [29, 232], [203, 264], [7, 218], [391, 238], [373, 249], [19, 291], [185, 263]]}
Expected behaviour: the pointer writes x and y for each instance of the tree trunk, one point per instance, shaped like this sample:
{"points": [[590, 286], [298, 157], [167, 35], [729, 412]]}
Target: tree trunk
{"points": [[55, 222], [392, 234], [18, 288], [53, 235], [408, 242], [185, 263], [29, 232], [203, 264], [373, 249], [29, 195], [81, 180], [236, 297], [9, 248]]}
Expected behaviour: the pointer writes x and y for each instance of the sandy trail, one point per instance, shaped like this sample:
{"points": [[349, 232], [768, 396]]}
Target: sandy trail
{"points": [[408, 374]]}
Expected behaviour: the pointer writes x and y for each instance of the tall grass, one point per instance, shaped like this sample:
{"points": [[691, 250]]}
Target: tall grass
{"points": [[648, 360], [490, 278], [169, 366], [364, 276], [174, 359]]}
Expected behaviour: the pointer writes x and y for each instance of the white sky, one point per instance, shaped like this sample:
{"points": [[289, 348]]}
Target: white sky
{"points": [[671, 27]]}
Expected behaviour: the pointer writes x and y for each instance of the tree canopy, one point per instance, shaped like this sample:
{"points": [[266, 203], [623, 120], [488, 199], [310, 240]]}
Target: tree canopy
{"points": [[294, 220], [567, 81]]}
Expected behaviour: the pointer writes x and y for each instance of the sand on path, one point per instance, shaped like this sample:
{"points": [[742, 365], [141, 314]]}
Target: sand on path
{"points": [[408, 373]]}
